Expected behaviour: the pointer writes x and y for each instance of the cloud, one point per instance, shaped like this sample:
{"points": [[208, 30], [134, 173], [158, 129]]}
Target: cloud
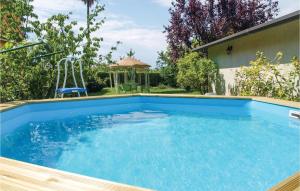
{"points": [[165, 3], [46, 8], [288, 6], [144, 40]]}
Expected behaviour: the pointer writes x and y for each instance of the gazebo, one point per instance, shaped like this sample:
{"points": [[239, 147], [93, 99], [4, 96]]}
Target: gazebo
{"points": [[129, 67]]}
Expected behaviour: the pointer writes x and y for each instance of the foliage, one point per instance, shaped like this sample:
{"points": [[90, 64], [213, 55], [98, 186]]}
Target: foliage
{"points": [[208, 20], [89, 4], [195, 71], [264, 78], [155, 78], [131, 53], [14, 18], [29, 78], [98, 79], [167, 68]]}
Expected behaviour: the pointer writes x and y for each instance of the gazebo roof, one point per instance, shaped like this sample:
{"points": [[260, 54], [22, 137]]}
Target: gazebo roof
{"points": [[130, 62]]}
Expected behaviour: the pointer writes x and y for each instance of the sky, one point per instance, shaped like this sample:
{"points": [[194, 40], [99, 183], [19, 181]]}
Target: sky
{"points": [[138, 24]]}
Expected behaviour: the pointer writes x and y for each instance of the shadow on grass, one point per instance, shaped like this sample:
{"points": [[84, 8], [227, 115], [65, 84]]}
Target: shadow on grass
{"points": [[154, 90], [104, 91], [174, 91]]}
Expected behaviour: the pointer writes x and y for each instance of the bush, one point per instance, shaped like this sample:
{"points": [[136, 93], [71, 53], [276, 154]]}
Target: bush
{"points": [[96, 79], [196, 72], [264, 78], [21, 78], [93, 86], [155, 79], [167, 69]]}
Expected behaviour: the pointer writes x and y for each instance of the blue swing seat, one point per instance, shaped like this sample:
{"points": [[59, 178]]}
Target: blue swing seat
{"points": [[70, 90]]}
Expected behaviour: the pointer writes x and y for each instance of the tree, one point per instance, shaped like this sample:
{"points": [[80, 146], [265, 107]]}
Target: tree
{"points": [[131, 53], [167, 68], [195, 71], [26, 77], [14, 18], [206, 21], [89, 4], [90, 49]]}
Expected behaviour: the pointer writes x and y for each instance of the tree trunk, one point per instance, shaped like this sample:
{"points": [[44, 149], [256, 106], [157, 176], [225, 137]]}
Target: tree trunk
{"points": [[88, 30], [87, 20]]}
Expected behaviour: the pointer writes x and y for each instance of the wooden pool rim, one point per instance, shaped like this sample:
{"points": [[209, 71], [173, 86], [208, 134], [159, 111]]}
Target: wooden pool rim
{"points": [[21, 176], [11, 105]]}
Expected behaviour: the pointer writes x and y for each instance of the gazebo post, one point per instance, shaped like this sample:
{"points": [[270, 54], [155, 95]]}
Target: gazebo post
{"points": [[125, 76], [117, 76], [116, 81], [133, 74], [140, 78], [110, 80], [148, 80]]}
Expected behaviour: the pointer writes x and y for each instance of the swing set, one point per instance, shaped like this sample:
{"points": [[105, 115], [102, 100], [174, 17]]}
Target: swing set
{"points": [[69, 60]]}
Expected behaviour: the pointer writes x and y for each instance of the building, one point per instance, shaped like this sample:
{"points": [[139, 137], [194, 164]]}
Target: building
{"points": [[234, 51]]}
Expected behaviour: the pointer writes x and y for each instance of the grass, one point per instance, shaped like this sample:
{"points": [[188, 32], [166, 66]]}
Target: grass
{"points": [[154, 90]]}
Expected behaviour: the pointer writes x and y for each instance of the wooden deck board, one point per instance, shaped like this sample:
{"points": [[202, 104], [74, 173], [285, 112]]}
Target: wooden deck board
{"points": [[20, 176], [292, 183]]}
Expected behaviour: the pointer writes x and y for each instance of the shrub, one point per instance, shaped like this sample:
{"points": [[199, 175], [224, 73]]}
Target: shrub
{"points": [[167, 69], [264, 78], [155, 78], [21, 78], [197, 72], [96, 78]]}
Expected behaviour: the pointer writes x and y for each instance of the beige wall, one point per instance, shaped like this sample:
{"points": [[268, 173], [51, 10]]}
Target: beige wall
{"points": [[283, 37]]}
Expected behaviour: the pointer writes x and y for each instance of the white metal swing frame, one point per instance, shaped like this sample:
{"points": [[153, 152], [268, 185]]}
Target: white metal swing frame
{"points": [[67, 60]]}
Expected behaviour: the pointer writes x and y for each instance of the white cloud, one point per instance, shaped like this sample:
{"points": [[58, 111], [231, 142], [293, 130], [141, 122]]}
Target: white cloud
{"points": [[145, 41], [46, 8], [288, 6], [165, 3]]}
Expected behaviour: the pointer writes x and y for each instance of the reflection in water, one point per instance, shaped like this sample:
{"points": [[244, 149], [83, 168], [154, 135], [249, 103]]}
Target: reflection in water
{"points": [[43, 142]]}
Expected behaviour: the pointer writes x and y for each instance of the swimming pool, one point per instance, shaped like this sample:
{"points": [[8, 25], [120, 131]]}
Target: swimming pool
{"points": [[166, 144]]}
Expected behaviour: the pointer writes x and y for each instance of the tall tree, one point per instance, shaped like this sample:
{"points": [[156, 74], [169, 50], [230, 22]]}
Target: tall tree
{"points": [[206, 21], [89, 4]]}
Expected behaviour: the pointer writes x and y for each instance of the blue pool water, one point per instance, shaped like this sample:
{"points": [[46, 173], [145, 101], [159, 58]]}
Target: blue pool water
{"points": [[167, 144]]}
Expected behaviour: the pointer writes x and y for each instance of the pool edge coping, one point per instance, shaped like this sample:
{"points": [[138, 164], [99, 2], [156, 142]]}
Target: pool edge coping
{"points": [[11, 105], [292, 183], [46, 176]]}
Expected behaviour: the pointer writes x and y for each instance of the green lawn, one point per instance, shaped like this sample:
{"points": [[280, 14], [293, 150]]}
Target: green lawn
{"points": [[154, 90]]}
